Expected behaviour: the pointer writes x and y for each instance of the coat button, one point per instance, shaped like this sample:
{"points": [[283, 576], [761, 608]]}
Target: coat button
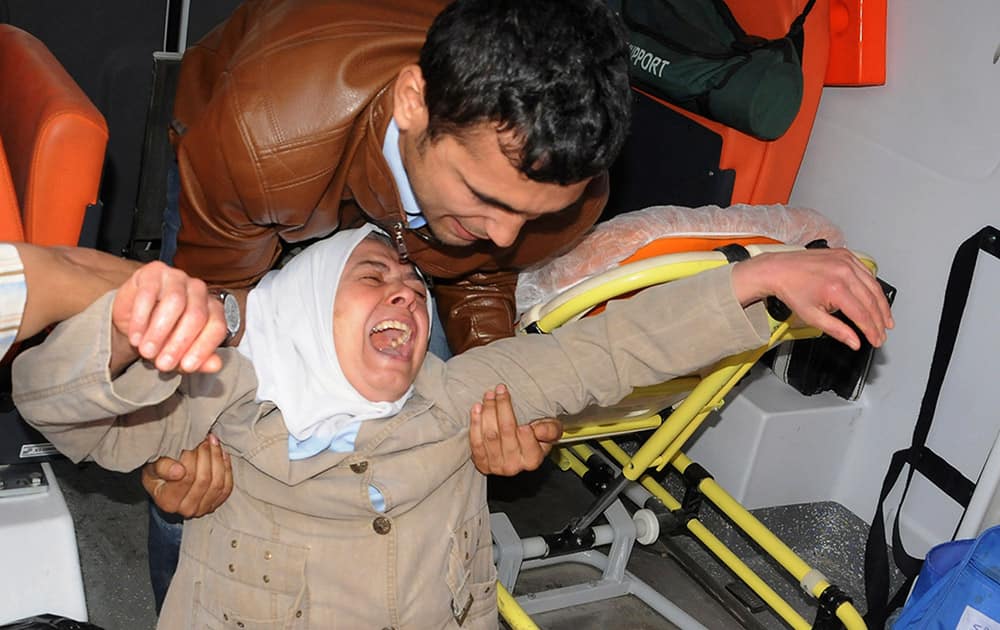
{"points": [[381, 525], [359, 467]]}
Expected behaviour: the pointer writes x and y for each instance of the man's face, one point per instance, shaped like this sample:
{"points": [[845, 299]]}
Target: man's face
{"points": [[380, 322], [468, 190]]}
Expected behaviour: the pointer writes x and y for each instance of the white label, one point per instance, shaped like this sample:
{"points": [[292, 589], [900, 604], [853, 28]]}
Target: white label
{"points": [[972, 619], [37, 450]]}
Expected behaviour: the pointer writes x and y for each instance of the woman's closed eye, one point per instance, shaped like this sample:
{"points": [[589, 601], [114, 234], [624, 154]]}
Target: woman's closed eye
{"points": [[420, 289]]}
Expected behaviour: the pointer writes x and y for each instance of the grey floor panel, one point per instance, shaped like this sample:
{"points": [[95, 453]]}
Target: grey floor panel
{"points": [[109, 513]]}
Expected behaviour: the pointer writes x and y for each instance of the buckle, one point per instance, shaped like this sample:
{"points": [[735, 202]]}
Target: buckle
{"points": [[461, 613]]}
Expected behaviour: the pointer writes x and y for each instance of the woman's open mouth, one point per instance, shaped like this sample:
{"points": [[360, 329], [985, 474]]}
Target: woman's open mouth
{"points": [[391, 337]]}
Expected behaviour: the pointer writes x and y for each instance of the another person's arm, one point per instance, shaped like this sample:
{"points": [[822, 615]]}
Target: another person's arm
{"points": [[62, 281], [161, 303], [164, 316], [86, 390]]}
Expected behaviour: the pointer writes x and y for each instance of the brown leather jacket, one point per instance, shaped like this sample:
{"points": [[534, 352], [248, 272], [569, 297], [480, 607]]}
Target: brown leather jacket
{"points": [[280, 116]]}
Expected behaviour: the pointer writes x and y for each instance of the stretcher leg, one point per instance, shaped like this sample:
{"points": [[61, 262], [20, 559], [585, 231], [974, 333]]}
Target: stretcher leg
{"points": [[513, 554]]}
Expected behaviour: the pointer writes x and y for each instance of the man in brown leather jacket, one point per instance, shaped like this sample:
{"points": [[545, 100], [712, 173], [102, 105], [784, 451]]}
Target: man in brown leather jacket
{"points": [[478, 135], [296, 118]]}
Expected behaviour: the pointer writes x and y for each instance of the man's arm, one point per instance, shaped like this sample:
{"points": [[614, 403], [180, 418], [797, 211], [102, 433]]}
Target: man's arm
{"points": [[84, 418], [477, 309]]}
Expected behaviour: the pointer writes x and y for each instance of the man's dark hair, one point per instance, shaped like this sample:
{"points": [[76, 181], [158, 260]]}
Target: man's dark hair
{"points": [[552, 72]]}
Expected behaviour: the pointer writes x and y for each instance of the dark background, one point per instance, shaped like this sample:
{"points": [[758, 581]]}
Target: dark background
{"points": [[108, 46]]}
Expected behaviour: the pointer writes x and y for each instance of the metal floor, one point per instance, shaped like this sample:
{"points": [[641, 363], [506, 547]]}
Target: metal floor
{"points": [[109, 512]]}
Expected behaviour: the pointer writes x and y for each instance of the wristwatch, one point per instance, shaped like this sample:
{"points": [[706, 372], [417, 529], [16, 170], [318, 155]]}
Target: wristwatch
{"points": [[231, 310]]}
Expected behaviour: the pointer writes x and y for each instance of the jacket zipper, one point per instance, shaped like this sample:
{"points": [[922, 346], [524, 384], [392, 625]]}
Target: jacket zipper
{"points": [[397, 235]]}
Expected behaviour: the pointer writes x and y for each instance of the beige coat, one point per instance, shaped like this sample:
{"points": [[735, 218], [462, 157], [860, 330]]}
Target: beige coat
{"points": [[298, 544]]}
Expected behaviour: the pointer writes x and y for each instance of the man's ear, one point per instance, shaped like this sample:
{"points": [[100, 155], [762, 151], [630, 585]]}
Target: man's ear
{"points": [[409, 108]]}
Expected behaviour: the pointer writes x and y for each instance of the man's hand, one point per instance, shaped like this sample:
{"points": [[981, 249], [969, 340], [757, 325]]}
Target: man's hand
{"points": [[814, 283], [169, 318], [194, 486], [499, 445]]}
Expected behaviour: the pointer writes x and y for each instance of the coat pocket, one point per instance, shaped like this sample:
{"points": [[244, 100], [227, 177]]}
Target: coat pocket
{"points": [[251, 583], [471, 573]]}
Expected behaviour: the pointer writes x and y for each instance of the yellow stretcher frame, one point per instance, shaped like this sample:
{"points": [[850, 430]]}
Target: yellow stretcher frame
{"points": [[662, 448]]}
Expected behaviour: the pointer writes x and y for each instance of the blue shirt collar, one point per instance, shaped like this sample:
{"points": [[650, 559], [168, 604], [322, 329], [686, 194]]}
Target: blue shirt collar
{"points": [[390, 150]]}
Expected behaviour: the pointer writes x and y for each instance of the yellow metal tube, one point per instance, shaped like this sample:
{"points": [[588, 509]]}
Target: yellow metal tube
{"points": [[512, 612], [598, 290], [566, 461], [717, 547], [583, 451], [664, 445], [770, 543], [707, 395], [663, 437]]}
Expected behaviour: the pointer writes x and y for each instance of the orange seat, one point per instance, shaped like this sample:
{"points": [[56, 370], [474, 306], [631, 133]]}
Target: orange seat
{"points": [[52, 142], [765, 171], [10, 214]]}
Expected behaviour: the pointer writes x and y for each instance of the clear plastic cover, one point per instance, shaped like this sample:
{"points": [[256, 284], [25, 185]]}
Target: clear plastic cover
{"points": [[612, 241]]}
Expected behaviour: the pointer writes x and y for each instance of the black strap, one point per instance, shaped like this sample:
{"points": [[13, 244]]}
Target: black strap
{"points": [[796, 32], [742, 39], [826, 613], [918, 456]]}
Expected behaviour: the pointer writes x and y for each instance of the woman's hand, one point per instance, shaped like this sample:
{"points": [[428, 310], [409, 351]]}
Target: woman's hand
{"points": [[499, 445]]}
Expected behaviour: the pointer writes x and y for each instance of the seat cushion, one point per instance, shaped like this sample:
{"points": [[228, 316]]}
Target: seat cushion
{"points": [[54, 137]]}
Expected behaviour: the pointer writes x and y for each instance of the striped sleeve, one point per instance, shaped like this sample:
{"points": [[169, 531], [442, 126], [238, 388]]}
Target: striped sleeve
{"points": [[13, 294]]}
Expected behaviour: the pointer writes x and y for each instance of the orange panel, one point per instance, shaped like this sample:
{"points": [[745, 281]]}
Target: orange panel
{"points": [[10, 215], [857, 43], [765, 171], [683, 244], [701, 243]]}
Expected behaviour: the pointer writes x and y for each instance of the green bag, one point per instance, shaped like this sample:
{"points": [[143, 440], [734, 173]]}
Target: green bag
{"points": [[694, 53]]}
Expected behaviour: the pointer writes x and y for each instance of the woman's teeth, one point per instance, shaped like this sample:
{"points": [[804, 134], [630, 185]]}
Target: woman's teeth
{"points": [[390, 334]]}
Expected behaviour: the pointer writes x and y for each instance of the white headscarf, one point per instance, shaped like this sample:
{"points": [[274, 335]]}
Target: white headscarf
{"points": [[289, 339]]}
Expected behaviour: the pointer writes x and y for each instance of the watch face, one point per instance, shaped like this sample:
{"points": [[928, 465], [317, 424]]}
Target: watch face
{"points": [[231, 307]]}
